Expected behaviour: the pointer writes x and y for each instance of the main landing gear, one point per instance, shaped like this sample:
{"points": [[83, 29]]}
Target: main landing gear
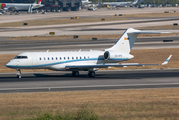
{"points": [[91, 73], [19, 74], [76, 73]]}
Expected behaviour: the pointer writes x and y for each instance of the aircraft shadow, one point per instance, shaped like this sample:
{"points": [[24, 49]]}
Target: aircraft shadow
{"points": [[83, 77]]}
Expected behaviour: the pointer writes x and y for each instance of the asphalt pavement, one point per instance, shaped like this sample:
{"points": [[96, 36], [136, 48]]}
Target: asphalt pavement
{"points": [[104, 80]]}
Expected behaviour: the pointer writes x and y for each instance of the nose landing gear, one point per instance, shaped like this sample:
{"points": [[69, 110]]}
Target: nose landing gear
{"points": [[19, 74]]}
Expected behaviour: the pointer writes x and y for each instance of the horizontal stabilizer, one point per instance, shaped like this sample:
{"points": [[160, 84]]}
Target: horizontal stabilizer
{"points": [[166, 61], [135, 31], [146, 32]]}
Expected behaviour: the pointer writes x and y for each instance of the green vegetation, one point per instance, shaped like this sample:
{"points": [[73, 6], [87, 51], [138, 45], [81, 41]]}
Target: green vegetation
{"points": [[84, 113]]}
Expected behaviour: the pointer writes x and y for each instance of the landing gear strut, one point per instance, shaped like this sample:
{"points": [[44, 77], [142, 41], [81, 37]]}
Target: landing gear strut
{"points": [[19, 74], [75, 73], [91, 73]]}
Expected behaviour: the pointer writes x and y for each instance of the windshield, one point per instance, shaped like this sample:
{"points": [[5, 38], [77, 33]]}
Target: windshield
{"points": [[21, 57]]}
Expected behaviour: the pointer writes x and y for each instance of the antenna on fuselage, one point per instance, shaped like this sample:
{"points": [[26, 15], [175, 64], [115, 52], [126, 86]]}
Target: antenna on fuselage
{"points": [[47, 50]]}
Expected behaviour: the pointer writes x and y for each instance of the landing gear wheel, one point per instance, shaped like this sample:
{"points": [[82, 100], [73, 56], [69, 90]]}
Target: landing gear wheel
{"points": [[75, 73], [19, 76], [91, 73]]}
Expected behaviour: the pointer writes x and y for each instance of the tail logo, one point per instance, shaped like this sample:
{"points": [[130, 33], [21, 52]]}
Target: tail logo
{"points": [[2, 6], [126, 38], [39, 1]]}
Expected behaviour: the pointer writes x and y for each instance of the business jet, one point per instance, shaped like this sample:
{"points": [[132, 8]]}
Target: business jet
{"points": [[77, 61], [121, 3], [20, 6]]}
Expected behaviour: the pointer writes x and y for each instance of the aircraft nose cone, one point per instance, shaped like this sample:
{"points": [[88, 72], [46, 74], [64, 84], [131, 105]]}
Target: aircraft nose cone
{"points": [[7, 65]]}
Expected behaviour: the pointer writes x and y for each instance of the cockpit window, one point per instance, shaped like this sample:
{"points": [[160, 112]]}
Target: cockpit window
{"points": [[21, 57]]}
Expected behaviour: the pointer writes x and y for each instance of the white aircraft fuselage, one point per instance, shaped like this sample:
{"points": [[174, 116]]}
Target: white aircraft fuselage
{"points": [[59, 60], [22, 6]]}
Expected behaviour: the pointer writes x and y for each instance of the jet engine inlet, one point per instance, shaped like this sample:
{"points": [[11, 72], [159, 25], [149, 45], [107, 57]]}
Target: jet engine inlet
{"points": [[106, 55]]}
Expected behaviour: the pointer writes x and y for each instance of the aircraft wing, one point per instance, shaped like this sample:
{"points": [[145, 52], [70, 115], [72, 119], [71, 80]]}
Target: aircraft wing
{"points": [[113, 65]]}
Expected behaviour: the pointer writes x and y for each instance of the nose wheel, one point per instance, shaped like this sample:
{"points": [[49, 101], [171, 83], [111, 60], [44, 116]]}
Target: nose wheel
{"points": [[19, 74], [91, 73]]}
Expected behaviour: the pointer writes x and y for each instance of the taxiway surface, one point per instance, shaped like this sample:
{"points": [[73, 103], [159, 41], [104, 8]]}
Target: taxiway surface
{"points": [[15, 47], [93, 28], [104, 80]]}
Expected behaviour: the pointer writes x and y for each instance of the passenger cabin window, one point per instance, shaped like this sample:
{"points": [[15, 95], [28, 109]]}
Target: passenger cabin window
{"points": [[21, 57], [52, 58], [40, 58], [68, 58], [48, 58], [72, 57], [60, 58], [44, 58], [80, 57], [76, 57], [84, 57], [64, 58], [56, 58]]}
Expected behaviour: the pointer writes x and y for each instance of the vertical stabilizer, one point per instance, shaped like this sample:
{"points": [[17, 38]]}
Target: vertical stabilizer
{"points": [[126, 42], [37, 1]]}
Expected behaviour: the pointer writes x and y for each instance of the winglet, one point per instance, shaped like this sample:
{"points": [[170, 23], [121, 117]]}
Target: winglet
{"points": [[166, 61]]}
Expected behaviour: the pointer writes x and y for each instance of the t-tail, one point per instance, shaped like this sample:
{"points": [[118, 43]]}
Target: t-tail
{"points": [[37, 1], [126, 42]]}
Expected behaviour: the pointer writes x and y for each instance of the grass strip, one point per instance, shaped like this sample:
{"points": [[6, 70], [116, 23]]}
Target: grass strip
{"points": [[58, 21], [88, 37], [163, 27], [151, 104]]}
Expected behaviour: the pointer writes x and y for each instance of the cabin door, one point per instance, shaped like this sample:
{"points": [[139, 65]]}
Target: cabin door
{"points": [[34, 60]]}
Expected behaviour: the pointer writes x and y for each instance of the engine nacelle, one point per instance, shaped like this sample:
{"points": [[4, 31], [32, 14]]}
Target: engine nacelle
{"points": [[112, 55]]}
